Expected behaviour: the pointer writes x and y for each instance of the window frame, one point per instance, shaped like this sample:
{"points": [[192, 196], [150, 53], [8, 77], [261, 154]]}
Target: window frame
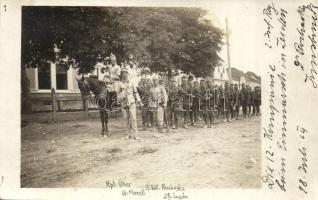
{"points": [[53, 80]]}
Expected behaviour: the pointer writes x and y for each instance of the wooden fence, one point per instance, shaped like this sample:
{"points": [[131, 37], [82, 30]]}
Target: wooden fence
{"points": [[55, 99]]}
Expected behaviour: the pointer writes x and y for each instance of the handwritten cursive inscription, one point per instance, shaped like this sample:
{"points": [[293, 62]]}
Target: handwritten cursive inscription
{"points": [[303, 162], [276, 131], [307, 30]]}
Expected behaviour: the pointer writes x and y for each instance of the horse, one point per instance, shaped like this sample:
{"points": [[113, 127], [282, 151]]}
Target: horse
{"points": [[101, 93]]}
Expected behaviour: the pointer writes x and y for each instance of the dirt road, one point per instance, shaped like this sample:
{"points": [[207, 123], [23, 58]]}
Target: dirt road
{"points": [[72, 154]]}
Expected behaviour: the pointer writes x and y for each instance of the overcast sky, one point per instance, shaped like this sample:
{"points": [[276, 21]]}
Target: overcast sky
{"points": [[242, 23]]}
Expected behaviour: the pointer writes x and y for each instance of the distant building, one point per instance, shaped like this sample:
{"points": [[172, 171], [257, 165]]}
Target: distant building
{"points": [[243, 80], [248, 78], [253, 81], [220, 75]]}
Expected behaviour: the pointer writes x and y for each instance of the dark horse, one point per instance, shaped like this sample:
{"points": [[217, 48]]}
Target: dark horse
{"points": [[101, 101]]}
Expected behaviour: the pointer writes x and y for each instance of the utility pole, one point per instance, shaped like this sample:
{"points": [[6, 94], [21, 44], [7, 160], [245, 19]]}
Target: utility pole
{"points": [[228, 51]]}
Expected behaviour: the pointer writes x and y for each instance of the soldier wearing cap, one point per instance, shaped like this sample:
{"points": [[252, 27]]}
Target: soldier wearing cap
{"points": [[257, 100], [232, 101], [249, 100], [145, 73], [161, 82], [144, 93], [190, 79], [237, 101], [187, 102], [228, 102], [203, 89], [129, 97], [111, 76], [244, 96], [133, 70], [150, 111], [196, 101], [114, 71], [210, 102], [158, 102], [174, 103], [221, 101], [191, 89], [101, 68], [253, 90]]}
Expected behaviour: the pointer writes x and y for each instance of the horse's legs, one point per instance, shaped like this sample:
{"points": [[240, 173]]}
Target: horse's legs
{"points": [[101, 113]]}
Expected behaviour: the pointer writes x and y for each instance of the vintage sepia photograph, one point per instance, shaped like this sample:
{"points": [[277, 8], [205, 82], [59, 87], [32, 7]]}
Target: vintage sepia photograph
{"points": [[139, 97]]}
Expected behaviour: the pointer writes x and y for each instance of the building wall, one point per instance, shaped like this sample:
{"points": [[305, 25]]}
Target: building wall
{"points": [[72, 86], [253, 84], [41, 98], [243, 80]]}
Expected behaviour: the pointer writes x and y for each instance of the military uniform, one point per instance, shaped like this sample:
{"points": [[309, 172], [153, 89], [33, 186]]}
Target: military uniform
{"points": [[144, 93], [174, 107], [195, 91], [158, 102], [232, 101], [187, 101], [257, 100], [133, 70], [249, 101], [112, 77], [237, 101], [221, 104], [244, 95], [228, 102], [210, 102], [202, 100], [128, 96]]}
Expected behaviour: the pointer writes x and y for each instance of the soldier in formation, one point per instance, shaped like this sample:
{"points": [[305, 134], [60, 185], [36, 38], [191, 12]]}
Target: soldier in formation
{"points": [[163, 103], [158, 103], [193, 99], [175, 104]]}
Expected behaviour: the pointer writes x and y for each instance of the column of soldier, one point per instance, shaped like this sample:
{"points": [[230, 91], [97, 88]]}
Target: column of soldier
{"points": [[165, 104]]}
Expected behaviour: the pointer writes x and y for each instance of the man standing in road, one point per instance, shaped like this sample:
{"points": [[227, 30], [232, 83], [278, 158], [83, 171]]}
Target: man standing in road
{"points": [[237, 102], [174, 104], [187, 102], [158, 102], [128, 97], [244, 100]]}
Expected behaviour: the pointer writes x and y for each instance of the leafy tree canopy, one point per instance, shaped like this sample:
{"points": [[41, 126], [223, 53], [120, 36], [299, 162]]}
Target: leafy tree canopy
{"points": [[161, 38]]}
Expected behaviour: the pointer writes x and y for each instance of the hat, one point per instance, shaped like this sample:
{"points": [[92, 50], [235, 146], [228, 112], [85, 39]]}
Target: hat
{"points": [[124, 70], [146, 69], [112, 57], [184, 77], [107, 79], [208, 79], [155, 77], [173, 79], [190, 77]]}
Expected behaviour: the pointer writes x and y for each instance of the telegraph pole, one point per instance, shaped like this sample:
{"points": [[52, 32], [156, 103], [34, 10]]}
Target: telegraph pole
{"points": [[228, 51]]}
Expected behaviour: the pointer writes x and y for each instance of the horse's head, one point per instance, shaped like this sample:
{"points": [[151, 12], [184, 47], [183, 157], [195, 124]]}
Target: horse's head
{"points": [[83, 86]]}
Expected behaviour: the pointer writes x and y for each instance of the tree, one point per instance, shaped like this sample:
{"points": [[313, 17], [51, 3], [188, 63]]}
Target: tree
{"points": [[161, 38]]}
